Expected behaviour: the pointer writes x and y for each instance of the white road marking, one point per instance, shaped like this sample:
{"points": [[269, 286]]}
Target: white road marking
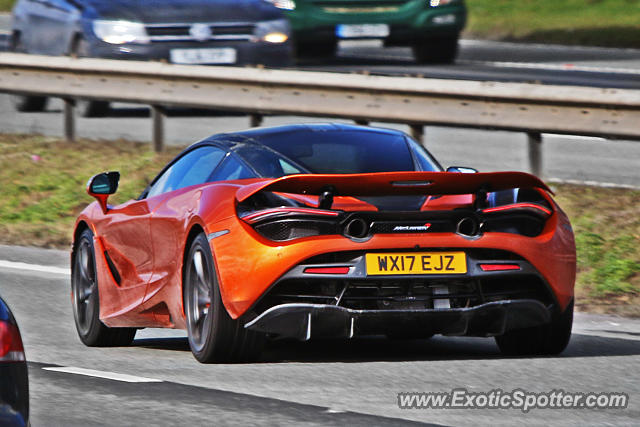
{"points": [[334, 411], [545, 46], [34, 267], [552, 66], [101, 374]]}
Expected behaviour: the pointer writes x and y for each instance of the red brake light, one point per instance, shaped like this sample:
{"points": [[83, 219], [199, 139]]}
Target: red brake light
{"points": [[11, 349], [327, 270], [518, 206], [499, 267], [266, 213]]}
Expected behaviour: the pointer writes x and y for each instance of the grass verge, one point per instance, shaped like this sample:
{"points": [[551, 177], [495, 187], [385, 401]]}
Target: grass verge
{"points": [[576, 22], [43, 179], [606, 223], [42, 182]]}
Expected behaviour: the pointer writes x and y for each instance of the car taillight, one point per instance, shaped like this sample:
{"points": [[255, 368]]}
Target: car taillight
{"points": [[288, 223], [326, 270], [274, 213], [513, 207], [499, 267], [517, 211], [11, 349]]}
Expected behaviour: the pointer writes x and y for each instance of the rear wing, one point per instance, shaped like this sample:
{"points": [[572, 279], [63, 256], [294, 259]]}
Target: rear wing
{"points": [[394, 183]]}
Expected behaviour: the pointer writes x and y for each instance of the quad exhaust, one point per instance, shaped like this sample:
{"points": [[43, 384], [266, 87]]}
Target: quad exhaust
{"points": [[357, 228], [468, 226]]}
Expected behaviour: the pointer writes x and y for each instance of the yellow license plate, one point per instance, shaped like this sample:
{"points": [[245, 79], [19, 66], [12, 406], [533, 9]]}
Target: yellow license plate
{"points": [[416, 263]]}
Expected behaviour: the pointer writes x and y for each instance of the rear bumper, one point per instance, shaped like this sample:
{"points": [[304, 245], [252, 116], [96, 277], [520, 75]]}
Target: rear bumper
{"points": [[304, 321]]}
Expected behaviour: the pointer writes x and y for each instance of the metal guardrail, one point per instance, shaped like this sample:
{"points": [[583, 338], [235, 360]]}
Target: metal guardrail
{"points": [[529, 108]]}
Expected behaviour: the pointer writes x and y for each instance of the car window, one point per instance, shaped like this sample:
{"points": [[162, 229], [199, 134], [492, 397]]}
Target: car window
{"points": [[231, 169], [193, 168], [267, 163], [345, 152], [423, 157]]}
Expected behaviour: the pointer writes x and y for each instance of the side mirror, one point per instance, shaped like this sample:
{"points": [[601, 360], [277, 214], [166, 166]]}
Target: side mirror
{"points": [[461, 169], [101, 186]]}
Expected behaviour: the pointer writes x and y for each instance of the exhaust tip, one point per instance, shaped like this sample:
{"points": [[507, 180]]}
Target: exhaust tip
{"points": [[357, 228], [468, 226]]}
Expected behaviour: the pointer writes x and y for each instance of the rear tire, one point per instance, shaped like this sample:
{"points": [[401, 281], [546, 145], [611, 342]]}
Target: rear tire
{"points": [[92, 108], [29, 104], [214, 337], [543, 340], [436, 50], [86, 300]]}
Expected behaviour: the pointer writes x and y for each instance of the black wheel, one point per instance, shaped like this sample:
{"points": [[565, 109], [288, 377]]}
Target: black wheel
{"points": [[436, 50], [213, 335], [549, 339], [92, 108], [309, 50], [86, 301], [25, 103], [29, 104]]}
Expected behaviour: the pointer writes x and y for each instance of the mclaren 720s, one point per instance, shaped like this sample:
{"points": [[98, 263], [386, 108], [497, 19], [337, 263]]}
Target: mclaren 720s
{"points": [[323, 230]]}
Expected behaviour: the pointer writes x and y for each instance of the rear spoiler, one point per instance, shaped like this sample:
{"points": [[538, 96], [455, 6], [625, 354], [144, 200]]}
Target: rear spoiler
{"points": [[394, 183]]}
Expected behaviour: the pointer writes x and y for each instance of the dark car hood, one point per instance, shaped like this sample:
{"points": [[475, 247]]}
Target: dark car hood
{"points": [[167, 11]]}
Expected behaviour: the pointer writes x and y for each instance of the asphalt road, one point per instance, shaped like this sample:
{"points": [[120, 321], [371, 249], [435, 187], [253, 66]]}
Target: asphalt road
{"points": [[317, 383], [496, 61]]}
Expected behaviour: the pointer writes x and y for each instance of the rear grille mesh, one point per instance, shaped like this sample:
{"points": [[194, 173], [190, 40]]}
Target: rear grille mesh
{"points": [[404, 294]]}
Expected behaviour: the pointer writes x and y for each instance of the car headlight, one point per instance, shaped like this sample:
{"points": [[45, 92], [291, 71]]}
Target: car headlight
{"points": [[283, 4], [436, 3], [276, 31], [120, 32]]}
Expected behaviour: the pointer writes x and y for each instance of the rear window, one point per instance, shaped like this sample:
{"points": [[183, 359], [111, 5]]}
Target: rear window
{"points": [[344, 151]]}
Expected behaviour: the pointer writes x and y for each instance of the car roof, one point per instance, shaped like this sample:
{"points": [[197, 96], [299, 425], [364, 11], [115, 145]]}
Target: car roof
{"points": [[256, 135]]}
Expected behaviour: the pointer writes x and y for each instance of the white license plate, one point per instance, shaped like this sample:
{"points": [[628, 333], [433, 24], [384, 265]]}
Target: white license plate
{"points": [[223, 55], [354, 31]]}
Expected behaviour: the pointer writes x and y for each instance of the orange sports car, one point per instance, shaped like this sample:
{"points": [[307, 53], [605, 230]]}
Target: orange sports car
{"points": [[323, 230]]}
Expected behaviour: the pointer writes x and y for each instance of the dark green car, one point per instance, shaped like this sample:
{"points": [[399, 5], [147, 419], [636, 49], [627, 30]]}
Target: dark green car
{"points": [[430, 27]]}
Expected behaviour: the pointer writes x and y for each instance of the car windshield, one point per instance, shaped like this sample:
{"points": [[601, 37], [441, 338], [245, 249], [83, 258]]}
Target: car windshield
{"points": [[346, 151]]}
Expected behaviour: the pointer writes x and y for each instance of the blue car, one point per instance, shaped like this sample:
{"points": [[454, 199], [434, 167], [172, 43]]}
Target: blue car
{"points": [[14, 381], [231, 32]]}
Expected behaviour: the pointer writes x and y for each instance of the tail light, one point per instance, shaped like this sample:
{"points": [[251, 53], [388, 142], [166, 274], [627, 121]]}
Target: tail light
{"points": [[11, 349], [278, 213], [288, 223], [514, 207], [499, 267], [517, 211]]}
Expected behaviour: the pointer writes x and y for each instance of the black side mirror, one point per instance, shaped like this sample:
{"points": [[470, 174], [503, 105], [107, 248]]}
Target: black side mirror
{"points": [[461, 169], [101, 186]]}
